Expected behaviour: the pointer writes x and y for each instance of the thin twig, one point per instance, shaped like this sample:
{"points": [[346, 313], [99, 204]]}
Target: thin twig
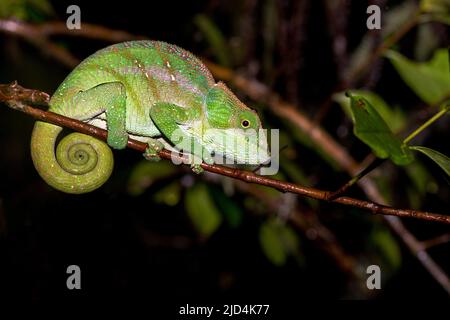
{"points": [[418, 250], [427, 124], [247, 176], [444, 238]]}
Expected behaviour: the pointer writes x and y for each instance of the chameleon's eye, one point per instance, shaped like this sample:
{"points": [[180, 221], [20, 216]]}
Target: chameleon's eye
{"points": [[245, 123]]}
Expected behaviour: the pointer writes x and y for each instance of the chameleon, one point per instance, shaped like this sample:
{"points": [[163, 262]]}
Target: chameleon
{"points": [[152, 91]]}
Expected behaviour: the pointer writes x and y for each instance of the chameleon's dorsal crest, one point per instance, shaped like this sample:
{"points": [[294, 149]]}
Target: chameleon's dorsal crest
{"points": [[231, 96]]}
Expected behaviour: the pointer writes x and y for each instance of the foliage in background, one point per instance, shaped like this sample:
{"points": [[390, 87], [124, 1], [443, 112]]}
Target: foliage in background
{"points": [[29, 10], [377, 122]]}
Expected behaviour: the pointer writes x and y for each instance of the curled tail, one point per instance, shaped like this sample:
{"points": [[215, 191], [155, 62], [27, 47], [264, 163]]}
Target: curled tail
{"points": [[81, 163]]}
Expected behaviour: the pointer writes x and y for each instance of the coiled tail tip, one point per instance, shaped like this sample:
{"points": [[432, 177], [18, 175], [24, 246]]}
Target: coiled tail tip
{"points": [[81, 163]]}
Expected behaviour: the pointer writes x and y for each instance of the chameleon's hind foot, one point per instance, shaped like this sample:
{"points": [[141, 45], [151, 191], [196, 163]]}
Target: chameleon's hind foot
{"points": [[153, 149]]}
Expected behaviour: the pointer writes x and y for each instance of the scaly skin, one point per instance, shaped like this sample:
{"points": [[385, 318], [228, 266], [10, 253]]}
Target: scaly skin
{"points": [[143, 88]]}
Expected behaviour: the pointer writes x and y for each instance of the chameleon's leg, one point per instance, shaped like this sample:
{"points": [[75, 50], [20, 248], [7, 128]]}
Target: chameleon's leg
{"points": [[168, 118], [110, 97]]}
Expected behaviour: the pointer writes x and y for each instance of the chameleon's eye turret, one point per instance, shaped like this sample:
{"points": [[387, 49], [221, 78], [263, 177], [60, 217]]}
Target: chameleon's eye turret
{"points": [[224, 110], [245, 123], [248, 119]]}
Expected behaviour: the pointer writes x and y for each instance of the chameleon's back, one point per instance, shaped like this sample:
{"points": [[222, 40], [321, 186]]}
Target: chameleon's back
{"points": [[151, 71]]}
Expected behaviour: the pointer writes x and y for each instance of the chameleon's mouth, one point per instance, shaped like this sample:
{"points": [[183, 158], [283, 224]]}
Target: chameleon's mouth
{"points": [[238, 148], [258, 158], [231, 146]]}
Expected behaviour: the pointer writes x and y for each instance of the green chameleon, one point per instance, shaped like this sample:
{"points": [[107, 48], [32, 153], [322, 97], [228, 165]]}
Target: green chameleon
{"points": [[154, 92]]}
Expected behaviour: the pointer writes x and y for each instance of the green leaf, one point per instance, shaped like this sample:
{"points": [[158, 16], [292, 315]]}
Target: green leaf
{"points": [[168, 195], [393, 117], [25, 9], [13, 9], [388, 246], [435, 6], [429, 80], [441, 160], [202, 210], [145, 173], [278, 241], [229, 208], [43, 6], [370, 128]]}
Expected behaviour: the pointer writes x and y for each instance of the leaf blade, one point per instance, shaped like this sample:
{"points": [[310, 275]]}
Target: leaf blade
{"points": [[429, 80], [371, 129], [440, 159], [278, 241], [202, 210]]}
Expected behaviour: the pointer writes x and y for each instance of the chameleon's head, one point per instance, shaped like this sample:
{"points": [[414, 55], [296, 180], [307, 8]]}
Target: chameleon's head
{"points": [[235, 130]]}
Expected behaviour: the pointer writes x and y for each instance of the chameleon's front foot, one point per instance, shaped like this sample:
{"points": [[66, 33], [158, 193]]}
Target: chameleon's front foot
{"points": [[196, 162], [152, 151]]}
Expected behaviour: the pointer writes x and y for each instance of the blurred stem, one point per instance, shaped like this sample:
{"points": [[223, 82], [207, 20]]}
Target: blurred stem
{"points": [[427, 124]]}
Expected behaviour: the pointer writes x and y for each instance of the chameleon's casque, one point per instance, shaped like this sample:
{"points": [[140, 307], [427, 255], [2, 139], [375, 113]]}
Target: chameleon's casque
{"points": [[154, 92]]}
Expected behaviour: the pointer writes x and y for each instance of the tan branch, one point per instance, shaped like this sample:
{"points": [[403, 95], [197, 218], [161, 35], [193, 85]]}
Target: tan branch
{"points": [[8, 95]]}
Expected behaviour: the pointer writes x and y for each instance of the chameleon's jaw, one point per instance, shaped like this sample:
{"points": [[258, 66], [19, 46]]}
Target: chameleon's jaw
{"points": [[262, 156], [236, 147], [231, 146]]}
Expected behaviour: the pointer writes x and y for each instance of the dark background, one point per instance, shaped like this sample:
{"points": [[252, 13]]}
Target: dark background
{"points": [[134, 247]]}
